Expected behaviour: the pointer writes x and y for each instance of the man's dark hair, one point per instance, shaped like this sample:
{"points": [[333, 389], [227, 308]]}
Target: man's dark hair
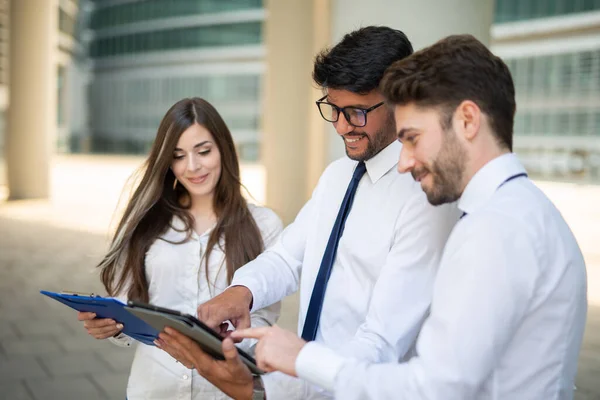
{"points": [[453, 70], [358, 61]]}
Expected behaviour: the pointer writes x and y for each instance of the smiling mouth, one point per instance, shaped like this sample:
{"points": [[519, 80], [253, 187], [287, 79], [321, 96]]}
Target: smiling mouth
{"points": [[199, 179], [350, 140], [420, 177]]}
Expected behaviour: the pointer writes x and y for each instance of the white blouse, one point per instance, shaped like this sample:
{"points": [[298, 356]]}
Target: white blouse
{"points": [[176, 275]]}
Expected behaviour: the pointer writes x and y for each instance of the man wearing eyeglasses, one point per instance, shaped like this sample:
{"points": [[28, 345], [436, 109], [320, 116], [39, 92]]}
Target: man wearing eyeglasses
{"points": [[363, 251]]}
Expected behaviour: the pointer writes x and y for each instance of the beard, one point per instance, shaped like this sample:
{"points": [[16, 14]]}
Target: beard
{"points": [[446, 171], [375, 143]]}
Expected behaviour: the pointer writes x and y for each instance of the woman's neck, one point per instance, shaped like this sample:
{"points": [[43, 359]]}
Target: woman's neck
{"points": [[203, 212], [202, 205]]}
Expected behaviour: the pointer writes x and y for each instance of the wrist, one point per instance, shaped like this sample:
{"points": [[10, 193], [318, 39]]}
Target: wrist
{"points": [[245, 392], [245, 293]]}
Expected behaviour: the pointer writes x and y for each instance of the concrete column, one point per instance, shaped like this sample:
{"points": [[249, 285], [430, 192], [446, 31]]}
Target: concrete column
{"points": [[293, 143], [318, 141], [424, 22], [31, 122]]}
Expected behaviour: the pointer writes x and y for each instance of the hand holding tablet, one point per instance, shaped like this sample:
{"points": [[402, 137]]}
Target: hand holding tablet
{"points": [[208, 340]]}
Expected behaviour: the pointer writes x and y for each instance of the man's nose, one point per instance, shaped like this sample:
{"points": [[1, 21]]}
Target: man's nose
{"points": [[407, 160], [342, 126]]}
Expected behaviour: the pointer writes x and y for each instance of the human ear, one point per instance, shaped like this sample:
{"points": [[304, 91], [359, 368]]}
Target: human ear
{"points": [[467, 120]]}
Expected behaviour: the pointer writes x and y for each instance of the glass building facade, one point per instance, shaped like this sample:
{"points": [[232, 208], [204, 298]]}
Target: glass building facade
{"points": [[120, 13], [147, 54], [552, 48], [243, 33], [521, 10], [68, 20]]}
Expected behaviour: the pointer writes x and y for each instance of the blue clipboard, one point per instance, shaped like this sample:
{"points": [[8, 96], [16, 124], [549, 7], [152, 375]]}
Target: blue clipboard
{"points": [[108, 307]]}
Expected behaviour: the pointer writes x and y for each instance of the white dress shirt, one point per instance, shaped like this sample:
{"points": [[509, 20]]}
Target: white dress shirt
{"points": [[176, 275], [381, 281], [508, 311]]}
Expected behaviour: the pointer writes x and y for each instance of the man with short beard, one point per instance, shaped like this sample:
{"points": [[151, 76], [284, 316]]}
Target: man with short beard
{"points": [[509, 302], [368, 236]]}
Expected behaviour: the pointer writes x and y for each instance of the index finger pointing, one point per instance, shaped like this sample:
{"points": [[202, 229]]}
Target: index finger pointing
{"points": [[250, 333]]}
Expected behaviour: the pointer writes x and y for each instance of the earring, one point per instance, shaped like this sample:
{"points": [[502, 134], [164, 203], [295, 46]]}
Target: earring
{"points": [[174, 183]]}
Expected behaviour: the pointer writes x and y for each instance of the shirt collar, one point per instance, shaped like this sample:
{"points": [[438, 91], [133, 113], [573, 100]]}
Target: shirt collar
{"points": [[177, 231], [383, 161], [485, 181]]}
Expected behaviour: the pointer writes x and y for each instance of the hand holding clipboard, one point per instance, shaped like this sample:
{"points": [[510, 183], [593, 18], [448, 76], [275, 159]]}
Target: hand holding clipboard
{"points": [[143, 322]]}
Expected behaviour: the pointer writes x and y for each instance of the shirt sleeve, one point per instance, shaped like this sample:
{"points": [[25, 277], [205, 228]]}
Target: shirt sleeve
{"points": [[279, 386], [481, 294], [275, 274], [270, 226]]}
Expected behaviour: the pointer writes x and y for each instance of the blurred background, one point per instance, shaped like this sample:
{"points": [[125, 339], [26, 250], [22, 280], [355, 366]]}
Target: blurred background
{"points": [[85, 83]]}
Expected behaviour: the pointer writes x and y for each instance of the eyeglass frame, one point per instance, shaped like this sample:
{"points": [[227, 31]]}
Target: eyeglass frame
{"points": [[342, 110]]}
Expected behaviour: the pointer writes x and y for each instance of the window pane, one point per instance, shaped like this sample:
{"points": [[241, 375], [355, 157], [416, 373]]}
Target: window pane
{"points": [[155, 9], [243, 33], [511, 10]]}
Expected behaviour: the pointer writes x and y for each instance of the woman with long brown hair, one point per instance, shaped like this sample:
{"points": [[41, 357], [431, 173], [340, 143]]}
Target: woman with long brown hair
{"points": [[184, 232]]}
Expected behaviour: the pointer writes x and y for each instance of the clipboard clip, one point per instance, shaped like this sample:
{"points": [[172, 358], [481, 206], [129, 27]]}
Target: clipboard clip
{"points": [[82, 294]]}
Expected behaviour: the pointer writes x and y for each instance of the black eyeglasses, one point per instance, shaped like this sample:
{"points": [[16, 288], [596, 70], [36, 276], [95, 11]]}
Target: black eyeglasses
{"points": [[355, 116]]}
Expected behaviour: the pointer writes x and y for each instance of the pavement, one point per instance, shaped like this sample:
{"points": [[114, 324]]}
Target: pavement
{"points": [[54, 245]]}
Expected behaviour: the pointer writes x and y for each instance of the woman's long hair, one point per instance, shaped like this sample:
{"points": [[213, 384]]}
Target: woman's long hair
{"points": [[154, 204]]}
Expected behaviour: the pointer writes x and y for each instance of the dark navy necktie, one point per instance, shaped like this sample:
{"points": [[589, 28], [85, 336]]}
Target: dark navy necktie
{"points": [[309, 332]]}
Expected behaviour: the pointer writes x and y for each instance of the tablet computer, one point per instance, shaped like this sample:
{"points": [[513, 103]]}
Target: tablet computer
{"points": [[107, 307], [190, 326]]}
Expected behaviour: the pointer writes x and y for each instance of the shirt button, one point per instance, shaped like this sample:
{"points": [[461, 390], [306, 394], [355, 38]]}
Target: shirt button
{"points": [[185, 377]]}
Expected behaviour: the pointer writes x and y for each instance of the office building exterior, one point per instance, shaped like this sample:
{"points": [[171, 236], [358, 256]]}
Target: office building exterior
{"points": [[552, 48], [143, 56], [132, 59]]}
